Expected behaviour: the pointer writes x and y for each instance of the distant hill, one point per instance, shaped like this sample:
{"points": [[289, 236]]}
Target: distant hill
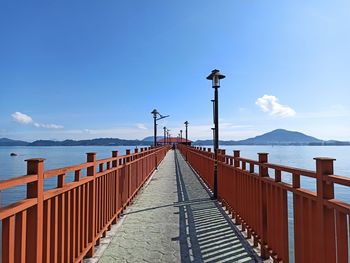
{"points": [[276, 137], [9, 142], [150, 138], [98, 141], [281, 136]]}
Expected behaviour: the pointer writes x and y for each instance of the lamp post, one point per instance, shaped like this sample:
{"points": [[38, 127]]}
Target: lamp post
{"points": [[215, 76], [181, 135], [156, 117], [164, 142], [213, 102], [168, 136], [186, 131], [213, 129]]}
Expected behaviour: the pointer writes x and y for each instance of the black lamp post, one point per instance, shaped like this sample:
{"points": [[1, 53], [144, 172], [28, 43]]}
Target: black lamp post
{"points": [[164, 142], [215, 76], [213, 101], [186, 130], [181, 135], [156, 117], [168, 136], [213, 129]]}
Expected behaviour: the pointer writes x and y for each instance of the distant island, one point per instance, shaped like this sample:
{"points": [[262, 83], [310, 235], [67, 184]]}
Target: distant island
{"points": [[276, 137], [92, 142]]}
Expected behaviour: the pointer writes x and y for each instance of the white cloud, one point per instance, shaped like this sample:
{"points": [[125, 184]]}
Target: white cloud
{"points": [[22, 118], [26, 119], [141, 126], [48, 126], [269, 103]]}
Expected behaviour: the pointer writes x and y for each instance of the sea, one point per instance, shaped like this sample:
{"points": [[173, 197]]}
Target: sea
{"points": [[61, 156], [55, 157]]}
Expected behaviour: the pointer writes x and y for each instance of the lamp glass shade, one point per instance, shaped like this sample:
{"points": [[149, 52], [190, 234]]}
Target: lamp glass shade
{"points": [[216, 81]]}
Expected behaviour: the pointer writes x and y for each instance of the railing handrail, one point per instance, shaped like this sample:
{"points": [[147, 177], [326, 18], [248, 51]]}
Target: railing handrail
{"points": [[24, 179], [341, 180]]}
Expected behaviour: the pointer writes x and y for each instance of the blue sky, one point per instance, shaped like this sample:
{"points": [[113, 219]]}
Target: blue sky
{"points": [[87, 69]]}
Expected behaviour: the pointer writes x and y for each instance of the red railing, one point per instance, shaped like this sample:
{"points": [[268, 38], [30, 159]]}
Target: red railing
{"points": [[64, 224], [259, 203]]}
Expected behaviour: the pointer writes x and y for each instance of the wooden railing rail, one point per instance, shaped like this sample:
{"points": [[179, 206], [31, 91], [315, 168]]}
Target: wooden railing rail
{"points": [[65, 223], [259, 204]]}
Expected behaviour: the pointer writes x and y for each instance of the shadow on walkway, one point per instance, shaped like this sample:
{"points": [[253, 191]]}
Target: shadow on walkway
{"points": [[206, 233]]}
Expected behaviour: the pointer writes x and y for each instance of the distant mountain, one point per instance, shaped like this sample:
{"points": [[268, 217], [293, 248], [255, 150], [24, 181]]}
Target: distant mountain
{"points": [[281, 136], [150, 138], [277, 137], [96, 142], [9, 142]]}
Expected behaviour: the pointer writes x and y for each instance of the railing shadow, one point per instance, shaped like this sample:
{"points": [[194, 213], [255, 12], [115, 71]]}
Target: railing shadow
{"points": [[206, 233]]}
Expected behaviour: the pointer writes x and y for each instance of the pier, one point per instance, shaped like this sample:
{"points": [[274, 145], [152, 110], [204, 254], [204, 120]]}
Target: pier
{"points": [[159, 204], [175, 220]]}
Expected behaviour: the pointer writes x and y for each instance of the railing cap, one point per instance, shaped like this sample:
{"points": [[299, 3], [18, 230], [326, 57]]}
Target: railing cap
{"points": [[324, 159], [35, 160]]}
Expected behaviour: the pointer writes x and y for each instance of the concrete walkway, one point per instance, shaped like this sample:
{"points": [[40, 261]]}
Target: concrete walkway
{"points": [[174, 220]]}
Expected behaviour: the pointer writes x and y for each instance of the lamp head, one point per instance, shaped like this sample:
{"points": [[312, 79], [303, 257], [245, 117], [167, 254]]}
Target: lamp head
{"points": [[215, 77]]}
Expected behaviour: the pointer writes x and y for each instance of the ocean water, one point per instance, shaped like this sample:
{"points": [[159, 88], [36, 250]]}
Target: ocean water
{"points": [[56, 157]]}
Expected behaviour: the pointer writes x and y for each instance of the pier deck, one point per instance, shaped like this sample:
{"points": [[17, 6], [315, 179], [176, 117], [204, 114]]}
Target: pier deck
{"points": [[174, 220]]}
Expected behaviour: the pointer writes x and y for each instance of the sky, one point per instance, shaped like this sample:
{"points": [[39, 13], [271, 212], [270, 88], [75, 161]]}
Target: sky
{"points": [[91, 69]]}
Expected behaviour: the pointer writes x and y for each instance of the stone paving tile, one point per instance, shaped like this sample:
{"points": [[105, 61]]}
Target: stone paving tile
{"points": [[174, 220]]}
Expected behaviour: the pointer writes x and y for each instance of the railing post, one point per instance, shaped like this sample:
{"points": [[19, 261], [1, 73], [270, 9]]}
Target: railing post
{"points": [[35, 224], [236, 154], [136, 151], [263, 172], [325, 217], [114, 165], [91, 171], [155, 161], [223, 153], [127, 152]]}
